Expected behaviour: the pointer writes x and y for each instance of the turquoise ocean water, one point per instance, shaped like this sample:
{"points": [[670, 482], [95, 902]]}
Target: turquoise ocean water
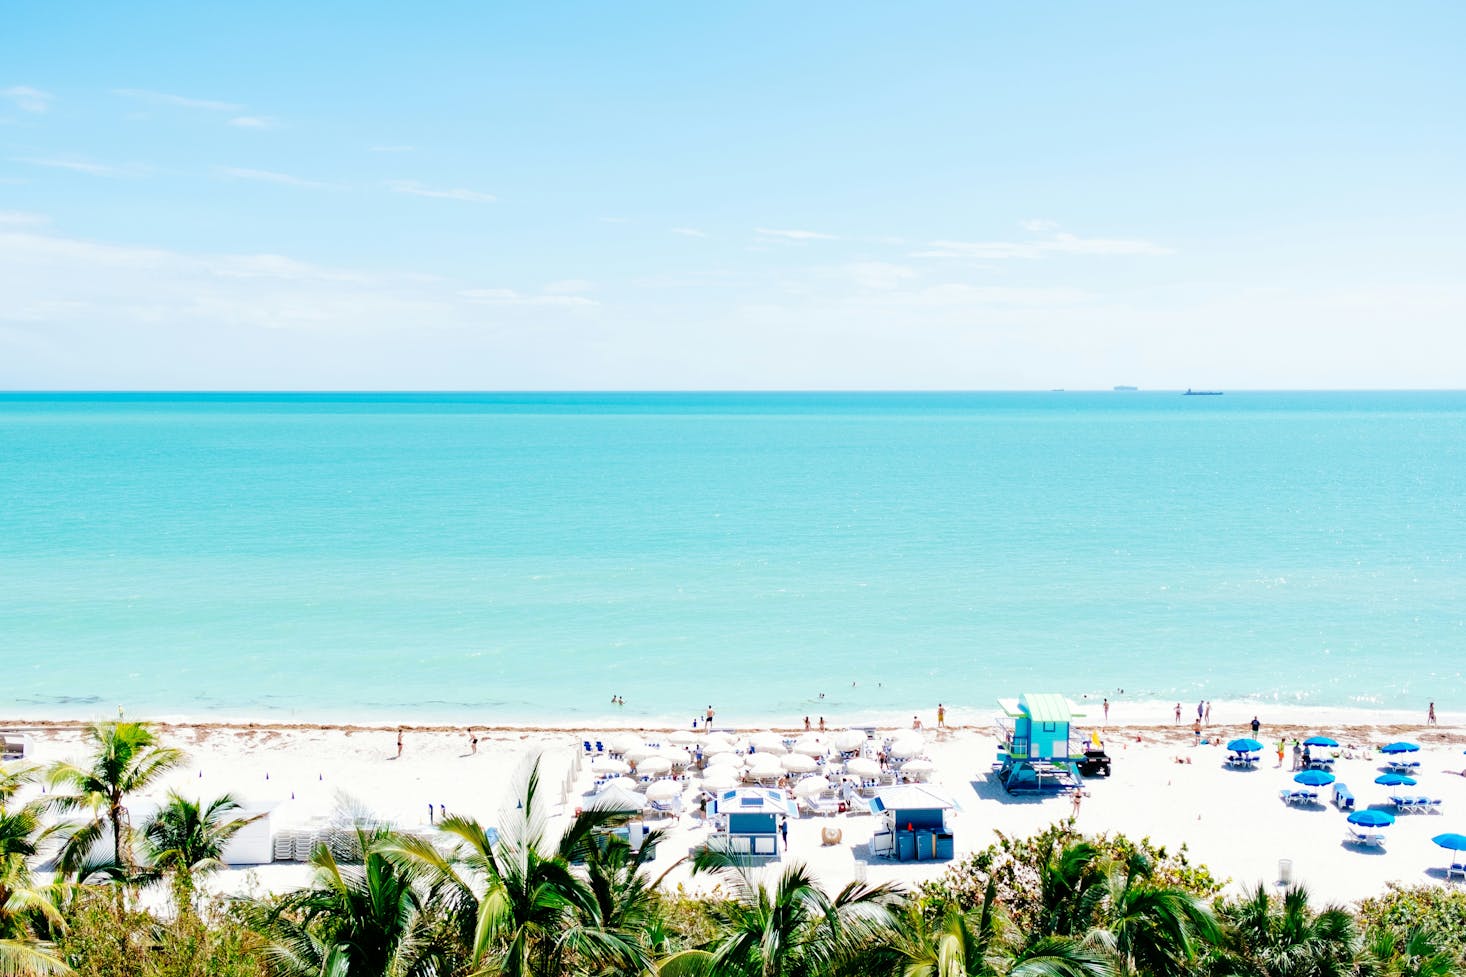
{"points": [[513, 557]]}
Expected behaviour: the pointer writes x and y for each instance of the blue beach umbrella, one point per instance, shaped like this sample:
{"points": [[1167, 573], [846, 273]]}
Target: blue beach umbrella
{"points": [[1454, 842], [1244, 746], [1314, 778], [1401, 747], [1372, 819], [1395, 780], [1320, 741]]}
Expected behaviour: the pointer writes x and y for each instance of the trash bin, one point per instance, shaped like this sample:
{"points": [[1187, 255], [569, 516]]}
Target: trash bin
{"points": [[1285, 871]]}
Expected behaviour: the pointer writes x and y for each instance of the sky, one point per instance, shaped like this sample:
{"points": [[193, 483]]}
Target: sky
{"points": [[962, 195]]}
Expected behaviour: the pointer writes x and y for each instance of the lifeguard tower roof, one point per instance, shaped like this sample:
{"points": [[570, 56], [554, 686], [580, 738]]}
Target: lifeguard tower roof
{"points": [[1040, 707]]}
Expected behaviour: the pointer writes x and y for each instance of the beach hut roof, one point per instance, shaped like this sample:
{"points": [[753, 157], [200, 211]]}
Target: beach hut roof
{"points": [[754, 800], [1040, 707], [910, 797]]}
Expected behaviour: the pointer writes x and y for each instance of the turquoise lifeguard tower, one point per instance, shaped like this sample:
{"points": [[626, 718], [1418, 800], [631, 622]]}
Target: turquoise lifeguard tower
{"points": [[1035, 747]]}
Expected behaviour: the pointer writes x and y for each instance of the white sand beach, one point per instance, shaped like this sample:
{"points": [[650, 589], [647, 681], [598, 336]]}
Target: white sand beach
{"points": [[1162, 786]]}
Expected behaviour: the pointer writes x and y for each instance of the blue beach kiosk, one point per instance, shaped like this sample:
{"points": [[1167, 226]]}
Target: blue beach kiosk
{"points": [[1034, 754], [914, 823], [751, 820]]}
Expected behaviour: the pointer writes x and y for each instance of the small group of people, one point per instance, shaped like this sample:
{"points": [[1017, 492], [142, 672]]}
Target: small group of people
{"points": [[808, 728], [617, 700], [1203, 712]]}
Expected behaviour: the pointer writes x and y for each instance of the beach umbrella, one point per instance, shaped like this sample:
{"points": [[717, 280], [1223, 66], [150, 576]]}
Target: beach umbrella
{"points": [[850, 739], [764, 765], [731, 760], [798, 763], [1314, 778], [638, 753], [811, 746], [1372, 819], [663, 790], [1395, 780], [1244, 746], [617, 783], [722, 778], [919, 765], [686, 737], [1401, 747], [625, 741], [678, 756], [614, 797], [654, 765], [810, 786], [717, 743], [1452, 841], [1320, 741], [863, 767], [768, 743], [608, 765], [905, 746]]}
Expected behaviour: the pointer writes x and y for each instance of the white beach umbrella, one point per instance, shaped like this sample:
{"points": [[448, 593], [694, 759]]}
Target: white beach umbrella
{"points": [[733, 760], [654, 765], [609, 765], [764, 765], [686, 737], [849, 739], [663, 790], [622, 742], [907, 746], [768, 743], [621, 783], [811, 746], [638, 753], [798, 763], [713, 742], [862, 767], [810, 786], [722, 778], [678, 756], [614, 797], [921, 765]]}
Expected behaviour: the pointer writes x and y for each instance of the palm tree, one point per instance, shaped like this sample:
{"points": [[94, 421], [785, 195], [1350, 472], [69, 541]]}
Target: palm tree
{"points": [[23, 905], [953, 943], [127, 759], [516, 904], [1151, 929], [1390, 951], [186, 839], [791, 928], [1269, 937], [360, 921]]}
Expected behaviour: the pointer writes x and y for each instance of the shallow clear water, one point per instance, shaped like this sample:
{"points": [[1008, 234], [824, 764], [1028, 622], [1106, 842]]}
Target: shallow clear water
{"points": [[510, 557]]}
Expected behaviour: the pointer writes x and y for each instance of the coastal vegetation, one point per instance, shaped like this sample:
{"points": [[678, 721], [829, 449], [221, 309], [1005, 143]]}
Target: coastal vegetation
{"points": [[528, 900]]}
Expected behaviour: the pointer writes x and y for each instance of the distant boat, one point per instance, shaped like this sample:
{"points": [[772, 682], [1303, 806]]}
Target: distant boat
{"points": [[1123, 388], [1201, 393]]}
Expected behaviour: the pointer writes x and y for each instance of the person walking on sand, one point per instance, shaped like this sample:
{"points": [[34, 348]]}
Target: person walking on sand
{"points": [[1077, 798], [942, 715], [1196, 732], [709, 723], [1297, 755], [1255, 726], [1281, 749], [1206, 720], [822, 724], [1200, 709], [472, 743], [806, 724], [1107, 711], [1178, 714], [399, 742], [1430, 716]]}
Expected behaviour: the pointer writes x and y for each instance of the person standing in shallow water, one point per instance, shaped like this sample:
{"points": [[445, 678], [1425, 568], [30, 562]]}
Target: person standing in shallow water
{"points": [[399, 742], [942, 715], [1107, 711], [1255, 725], [1430, 716], [1178, 714]]}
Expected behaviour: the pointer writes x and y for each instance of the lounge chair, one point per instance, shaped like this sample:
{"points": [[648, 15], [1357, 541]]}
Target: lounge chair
{"points": [[1343, 797], [1416, 804], [1370, 839], [1457, 867], [587, 746], [1293, 797]]}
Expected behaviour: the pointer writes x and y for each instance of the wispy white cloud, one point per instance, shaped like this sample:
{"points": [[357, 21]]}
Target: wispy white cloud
{"points": [[458, 193], [1038, 225], [21, 218], [794, 235], [880, 275], [392, 149], [78, 165], [28, 99], [270, 176], [181, 101], [1057, 244], [568, 286], [252, 122], [689, 232], [508, 296]]}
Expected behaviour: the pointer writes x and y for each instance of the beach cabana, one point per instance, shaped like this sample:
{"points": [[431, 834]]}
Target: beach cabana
{"points": [[915, 823], [752, 820], [1036, 746]]}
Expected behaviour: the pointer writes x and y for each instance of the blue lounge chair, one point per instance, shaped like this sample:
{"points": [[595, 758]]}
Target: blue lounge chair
{"points": [[1343, 797]]}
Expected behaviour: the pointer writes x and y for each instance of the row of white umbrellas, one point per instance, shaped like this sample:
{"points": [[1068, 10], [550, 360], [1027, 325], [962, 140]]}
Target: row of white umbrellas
{"points": [[811, 744]]}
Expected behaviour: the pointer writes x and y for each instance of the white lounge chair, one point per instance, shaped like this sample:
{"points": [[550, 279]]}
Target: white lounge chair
{"points": [[1359, 836]]}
